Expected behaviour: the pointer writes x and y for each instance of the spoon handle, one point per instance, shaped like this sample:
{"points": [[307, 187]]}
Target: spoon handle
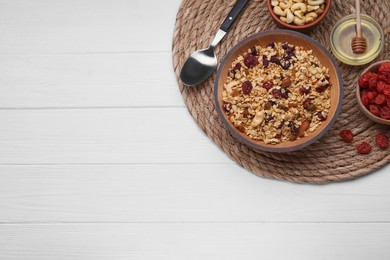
{"points": [[234, 13]]}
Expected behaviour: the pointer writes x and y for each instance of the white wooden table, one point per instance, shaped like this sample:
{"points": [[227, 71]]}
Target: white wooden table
{"points": [[100, 159]]}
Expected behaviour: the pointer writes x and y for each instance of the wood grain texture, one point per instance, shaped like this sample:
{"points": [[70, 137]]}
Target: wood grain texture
{"points": [[86, 26], [170, 193], [195, 241]]}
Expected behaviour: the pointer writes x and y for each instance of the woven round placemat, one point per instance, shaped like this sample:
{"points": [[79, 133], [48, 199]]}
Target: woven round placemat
{"points": [[327, 160]]}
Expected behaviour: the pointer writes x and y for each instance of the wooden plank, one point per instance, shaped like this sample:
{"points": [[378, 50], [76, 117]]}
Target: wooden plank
{"points": [[181, 193], [98, 80], [105, 136], [195, 241], [86, 26]]}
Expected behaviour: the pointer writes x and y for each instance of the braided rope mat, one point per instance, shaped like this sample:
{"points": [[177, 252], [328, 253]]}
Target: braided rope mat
{"points": [[327, 160]]}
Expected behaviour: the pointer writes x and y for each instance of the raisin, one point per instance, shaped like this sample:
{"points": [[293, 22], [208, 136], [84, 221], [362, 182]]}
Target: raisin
{"points": [[254, 52], [364, 148], [374, 109], [384, 68], [275, 60], [288, 48], [246, 87], [268, 85], [346, 135], [321, 116], [380, 99], [286, 65], [250, 60], [385, 112], [308, 105], [294, 130], [265, 61], [278, 136], [268, 118], [276, 93], [285, 93], [271, 44], [382, 140], [322, 88], [304, 90], [227, 106], [236, 68], [269, 104]]}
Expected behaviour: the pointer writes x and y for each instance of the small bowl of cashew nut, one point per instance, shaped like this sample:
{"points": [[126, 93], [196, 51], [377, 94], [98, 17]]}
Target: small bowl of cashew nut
{"points": [[299, 15]]}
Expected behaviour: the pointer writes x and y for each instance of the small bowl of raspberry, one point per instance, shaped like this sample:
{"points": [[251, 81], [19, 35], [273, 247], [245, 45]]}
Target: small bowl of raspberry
{"points": [[373, 92]]}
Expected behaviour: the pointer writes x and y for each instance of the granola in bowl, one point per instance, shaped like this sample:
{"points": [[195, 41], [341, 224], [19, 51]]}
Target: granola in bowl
{"points": [[277, 93]]}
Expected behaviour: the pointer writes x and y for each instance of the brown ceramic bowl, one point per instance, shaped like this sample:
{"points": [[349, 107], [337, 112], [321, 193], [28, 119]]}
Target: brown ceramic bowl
{"points": [[373, 67], [301, 28], [298, 39]]}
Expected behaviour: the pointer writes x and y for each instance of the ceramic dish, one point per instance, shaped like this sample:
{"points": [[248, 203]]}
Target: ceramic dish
{"points": [[300, 28], [297, 39], [373, 68]]}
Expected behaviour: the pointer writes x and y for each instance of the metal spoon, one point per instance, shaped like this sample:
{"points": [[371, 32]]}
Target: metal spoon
{"points": [[202, 63]]}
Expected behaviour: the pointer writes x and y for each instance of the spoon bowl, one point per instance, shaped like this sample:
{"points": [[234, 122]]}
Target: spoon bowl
{"points": [[199, 66]]}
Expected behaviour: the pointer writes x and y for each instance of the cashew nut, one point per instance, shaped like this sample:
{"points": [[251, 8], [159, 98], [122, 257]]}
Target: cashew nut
{"points": [[299, 21], [310, 17], [286, 4], [315, 2], [299, 14], [298, 1], [274, 2], [300, 6], [312, 8], [320, 10], [258, 119], [278, 11], [289, 18]]}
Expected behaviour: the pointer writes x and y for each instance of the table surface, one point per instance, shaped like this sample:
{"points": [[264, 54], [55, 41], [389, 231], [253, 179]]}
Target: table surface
{"points": [[100, 158]]}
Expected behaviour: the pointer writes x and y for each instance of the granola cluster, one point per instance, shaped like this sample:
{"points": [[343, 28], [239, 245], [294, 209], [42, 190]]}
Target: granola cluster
{"points": [[278, 93]]}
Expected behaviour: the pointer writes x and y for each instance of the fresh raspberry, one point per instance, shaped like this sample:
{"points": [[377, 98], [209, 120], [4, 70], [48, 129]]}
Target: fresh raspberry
{"points": [[380, 86], [363, 80], [347, 136], [382, 140], [372, 83], [364, 148], [371, 95], [365, 99]]}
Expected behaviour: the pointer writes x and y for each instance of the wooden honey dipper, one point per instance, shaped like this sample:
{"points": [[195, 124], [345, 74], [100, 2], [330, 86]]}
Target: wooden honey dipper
{"points": [[359, 42]]}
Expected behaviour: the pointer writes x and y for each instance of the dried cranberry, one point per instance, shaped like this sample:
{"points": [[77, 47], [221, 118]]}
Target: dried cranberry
{"points": [[384, 68], [385, 113], [363, 79], [374, 109], [265, 61], [254, 51], [276, 93], [382, 140], [322, 88], [278, 136], [380, 99], [372, 82], [321, 116], [246, 87], [304, 90], [250, 60], [364, 148], [281, 124], [227, 106], [347, 136], [271, 44], [288, 48], [268, 85]]}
